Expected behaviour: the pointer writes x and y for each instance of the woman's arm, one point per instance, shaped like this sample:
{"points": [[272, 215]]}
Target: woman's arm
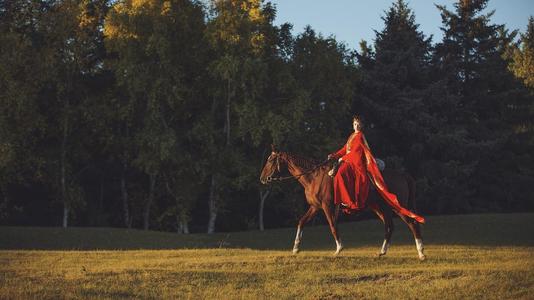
{"points": [[338, 154], [367, 156]]}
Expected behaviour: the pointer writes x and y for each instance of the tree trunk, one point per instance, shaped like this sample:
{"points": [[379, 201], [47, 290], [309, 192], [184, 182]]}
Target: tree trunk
{"points": [[227, 122], [124, 185], [124, 194], [214, 197], [63, 161], [180, 226], [181, 216], [151, 191], [183, 223], [65, 216], [63, 197], [212, 206], [183, 226], [97, 220], [263, 197]]}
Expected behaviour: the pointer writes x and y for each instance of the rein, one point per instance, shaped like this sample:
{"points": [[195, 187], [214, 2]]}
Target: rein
{"points": [[281, 178]]}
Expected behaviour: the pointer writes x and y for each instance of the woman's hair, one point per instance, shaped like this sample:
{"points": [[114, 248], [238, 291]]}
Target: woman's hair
{"points": [[358, 118]]}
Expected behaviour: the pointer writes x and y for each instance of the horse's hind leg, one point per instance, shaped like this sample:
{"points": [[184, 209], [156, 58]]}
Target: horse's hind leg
{"points": [[416, 231], [303, 220], [388, 226]]}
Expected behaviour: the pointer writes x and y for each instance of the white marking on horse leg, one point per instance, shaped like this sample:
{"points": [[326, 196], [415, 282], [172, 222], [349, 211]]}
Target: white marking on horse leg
{"points": [[420, 248], [384, 249], [298, 238], [339, 246]]}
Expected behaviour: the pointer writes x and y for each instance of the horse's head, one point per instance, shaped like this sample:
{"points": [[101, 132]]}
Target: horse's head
{"points": [[272, 165]]}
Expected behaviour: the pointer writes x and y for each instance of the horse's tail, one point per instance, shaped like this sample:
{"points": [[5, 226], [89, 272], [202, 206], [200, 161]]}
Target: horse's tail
{"points": [[411, 196]]}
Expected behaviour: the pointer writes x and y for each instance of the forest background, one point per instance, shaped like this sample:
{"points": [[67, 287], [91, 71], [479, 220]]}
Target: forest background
{"points": [[159, 114]]}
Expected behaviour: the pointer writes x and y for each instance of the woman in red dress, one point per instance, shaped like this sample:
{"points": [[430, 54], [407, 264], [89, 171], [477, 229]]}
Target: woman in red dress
{"points": [[356, 170]]}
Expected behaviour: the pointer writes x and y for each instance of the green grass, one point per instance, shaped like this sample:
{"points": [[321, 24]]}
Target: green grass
{"points": [[475, 256]]}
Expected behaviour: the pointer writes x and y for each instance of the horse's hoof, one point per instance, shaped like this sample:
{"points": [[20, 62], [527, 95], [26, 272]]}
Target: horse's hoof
{"points": [[379, 255], [338, 251], [422, 257], [295, 251]]}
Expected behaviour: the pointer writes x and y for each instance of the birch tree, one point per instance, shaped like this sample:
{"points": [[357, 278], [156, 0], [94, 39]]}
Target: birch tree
{"points": [[157, 44]]}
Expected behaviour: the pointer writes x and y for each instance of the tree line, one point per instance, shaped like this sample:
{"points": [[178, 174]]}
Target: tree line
{"points": [[159, 114]]}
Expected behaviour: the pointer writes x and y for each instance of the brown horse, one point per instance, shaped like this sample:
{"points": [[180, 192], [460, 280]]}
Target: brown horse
{"points": [[318, 188]]}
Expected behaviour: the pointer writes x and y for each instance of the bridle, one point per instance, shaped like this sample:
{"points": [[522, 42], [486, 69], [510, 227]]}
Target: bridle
{"points": [[281, 178]]}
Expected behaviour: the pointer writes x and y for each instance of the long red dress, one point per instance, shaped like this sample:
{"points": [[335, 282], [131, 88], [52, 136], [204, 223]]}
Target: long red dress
{"points": [[351, 183]]}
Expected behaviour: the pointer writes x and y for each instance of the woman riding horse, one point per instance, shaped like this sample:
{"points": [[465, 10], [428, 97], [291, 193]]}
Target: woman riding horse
{"points": [[351, 182], [350, 187]]}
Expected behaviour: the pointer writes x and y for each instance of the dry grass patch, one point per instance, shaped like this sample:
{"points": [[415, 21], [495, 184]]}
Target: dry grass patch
{"points": [[450, 272]]}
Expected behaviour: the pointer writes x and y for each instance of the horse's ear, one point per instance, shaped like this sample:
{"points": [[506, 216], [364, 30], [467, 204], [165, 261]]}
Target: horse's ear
{"points": [[273, 148]]}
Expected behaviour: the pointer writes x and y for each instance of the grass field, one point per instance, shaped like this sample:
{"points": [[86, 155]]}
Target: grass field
{"points": [[475, 256]]}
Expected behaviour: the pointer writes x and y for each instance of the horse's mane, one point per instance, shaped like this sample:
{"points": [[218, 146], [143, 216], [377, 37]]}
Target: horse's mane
{"points": [[301, 161]]}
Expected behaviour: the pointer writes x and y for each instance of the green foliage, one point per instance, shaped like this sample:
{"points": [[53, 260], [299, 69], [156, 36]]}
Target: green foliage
{"points": [[472, 59], [410, 112], [523, 57], [156, 47], [161, 112]]}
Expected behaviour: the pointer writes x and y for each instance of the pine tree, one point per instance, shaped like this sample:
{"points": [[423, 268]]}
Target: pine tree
{"points": [[470, 59], [394, 84], [395, 76], [520, 116]]}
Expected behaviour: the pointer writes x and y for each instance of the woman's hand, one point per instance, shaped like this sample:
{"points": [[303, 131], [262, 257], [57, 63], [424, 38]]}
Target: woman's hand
{"points": [[340, 160], [330, 157], [333, 172]]}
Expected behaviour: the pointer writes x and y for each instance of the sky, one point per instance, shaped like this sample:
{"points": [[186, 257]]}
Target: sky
{"points": [[350, 21]]}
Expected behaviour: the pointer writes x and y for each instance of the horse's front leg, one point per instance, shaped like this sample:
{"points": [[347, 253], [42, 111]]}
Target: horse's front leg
{"points": [[303, 220], [333, 229]]}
